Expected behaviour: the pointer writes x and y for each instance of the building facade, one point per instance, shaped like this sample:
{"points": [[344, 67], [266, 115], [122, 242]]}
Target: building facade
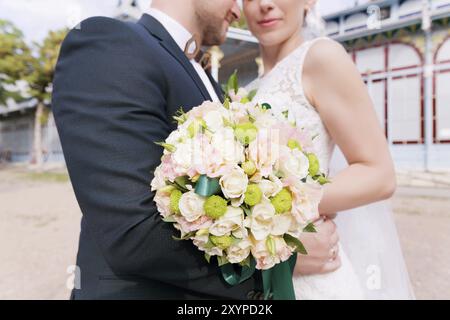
{"points": [[401, 48]]}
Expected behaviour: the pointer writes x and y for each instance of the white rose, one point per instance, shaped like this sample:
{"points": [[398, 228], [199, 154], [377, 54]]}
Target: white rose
{"points": [[182, 157], [264, 222], [306, 200], [230, 221], [175, 137], [191, 206], [213, 120], [296, 164], [239, 252], [260, 221], [264, 259], [200, 242], [230, 149], [234, 184], [270, 187], [158, 181]]}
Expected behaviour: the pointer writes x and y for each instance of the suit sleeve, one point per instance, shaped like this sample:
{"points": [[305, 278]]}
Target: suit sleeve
{"points": [[109, 106]]}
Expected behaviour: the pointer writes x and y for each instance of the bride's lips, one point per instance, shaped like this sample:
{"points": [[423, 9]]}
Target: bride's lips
{"points": [[268, 22]]}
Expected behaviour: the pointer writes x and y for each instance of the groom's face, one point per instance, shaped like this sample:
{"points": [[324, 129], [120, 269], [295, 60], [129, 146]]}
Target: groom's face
{"points": [[214, 18]]}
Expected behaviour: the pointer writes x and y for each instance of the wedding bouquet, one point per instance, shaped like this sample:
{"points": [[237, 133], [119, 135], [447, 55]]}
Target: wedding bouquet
{"points": [[238, 182]]}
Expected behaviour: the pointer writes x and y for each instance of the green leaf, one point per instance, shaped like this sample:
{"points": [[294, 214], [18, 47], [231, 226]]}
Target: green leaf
{"points": [[221, 260], [187, 236], [232, 83], [246, 262], [310, 228], [167, 146], [208, 258], [246, 209], [270, 245], [252, 94], [266, 106], [297, 244], [181, 183], [169, 219], [226, 103]]}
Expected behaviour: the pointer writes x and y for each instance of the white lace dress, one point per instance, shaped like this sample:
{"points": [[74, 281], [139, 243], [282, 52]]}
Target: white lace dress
{"points": [[282, 88]]}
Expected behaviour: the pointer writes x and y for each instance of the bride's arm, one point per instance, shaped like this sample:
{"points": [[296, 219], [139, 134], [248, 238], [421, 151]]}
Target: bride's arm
{"points": [[334, 86]]}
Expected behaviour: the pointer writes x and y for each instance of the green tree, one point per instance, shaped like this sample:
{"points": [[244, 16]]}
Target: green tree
{"points": [[15, 60], [39, 81]]}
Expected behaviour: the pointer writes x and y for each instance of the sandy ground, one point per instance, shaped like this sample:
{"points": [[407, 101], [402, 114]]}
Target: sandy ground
{"points": [[39, 225]]}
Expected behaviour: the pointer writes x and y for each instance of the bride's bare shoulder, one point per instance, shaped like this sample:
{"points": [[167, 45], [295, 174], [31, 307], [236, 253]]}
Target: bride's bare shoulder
{"points": [[325, 53]]}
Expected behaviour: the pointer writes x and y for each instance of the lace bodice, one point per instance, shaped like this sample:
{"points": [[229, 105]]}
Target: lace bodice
{"points": [[282, 88]]}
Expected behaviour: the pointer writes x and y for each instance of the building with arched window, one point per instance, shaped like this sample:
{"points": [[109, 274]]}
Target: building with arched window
{"points": [[400, 47]]}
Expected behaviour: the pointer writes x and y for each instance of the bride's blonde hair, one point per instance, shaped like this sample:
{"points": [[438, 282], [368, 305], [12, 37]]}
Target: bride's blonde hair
{"points": [[314, 25]]}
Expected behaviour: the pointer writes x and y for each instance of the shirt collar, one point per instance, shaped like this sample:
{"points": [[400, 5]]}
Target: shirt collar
{"points": [[177, 31]]}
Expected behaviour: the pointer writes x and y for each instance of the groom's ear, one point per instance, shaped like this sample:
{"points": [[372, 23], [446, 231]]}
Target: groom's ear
{"points": [[236, 11], [310, 4]]}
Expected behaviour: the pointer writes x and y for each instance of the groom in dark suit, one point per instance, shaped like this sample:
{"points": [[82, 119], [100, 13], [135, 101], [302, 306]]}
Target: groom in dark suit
{"points": [[116, 88]]}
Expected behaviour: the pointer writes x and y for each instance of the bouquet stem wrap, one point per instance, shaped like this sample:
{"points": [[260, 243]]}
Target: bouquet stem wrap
{"points": [[277, 281]]}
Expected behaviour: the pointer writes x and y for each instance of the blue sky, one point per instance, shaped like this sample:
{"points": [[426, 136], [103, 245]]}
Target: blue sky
{"points": [[36, 17]]}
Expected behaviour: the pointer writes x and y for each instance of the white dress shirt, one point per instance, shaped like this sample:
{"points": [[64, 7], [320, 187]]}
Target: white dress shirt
{"points": [[181, 37]]}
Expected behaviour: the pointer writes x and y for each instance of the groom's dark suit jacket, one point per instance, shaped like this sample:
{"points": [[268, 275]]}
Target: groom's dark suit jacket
{"points": [[116, 88]]}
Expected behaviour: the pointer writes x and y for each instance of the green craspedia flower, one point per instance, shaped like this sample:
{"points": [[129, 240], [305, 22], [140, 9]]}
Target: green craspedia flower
{"points": [[313, 164], [253, 195], [221, 242], [249, 168], [294, 144], [246, 132], [175, 197], [282, 201], [215, 207]]}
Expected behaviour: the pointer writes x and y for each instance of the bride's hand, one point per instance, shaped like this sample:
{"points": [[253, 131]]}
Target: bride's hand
{"points": [[323, 250]]}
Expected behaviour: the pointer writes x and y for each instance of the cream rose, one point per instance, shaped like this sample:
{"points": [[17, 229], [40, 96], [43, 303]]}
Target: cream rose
{"points": [[234, 184], [230, 149], [239, 252], [213, 120], [261, 220], [200, 242], [270, 187], [191, 206], [182, 157], [294, 163], [230, 221]]}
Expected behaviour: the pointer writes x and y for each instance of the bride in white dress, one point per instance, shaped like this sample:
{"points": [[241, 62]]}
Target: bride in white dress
{"points": [[316, 82]]}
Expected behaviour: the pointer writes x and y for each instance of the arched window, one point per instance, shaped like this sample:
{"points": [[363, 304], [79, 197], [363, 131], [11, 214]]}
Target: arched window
{"points": [[443, 53], [441, 101], [402, 56], [440, 4], [410, 8], [332, 28], [405, 94], [371, 60], [356, 21]]}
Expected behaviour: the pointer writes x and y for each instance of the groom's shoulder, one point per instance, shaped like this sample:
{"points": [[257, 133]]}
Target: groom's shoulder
{"points": [[105, 29], [107, 36], [101, 25]]}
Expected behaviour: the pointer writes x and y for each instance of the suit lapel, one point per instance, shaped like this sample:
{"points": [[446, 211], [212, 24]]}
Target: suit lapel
{"points": [[155, 28]]}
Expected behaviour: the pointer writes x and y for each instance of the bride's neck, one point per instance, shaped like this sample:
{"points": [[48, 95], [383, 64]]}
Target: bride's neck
{"points": [[271, 55]]}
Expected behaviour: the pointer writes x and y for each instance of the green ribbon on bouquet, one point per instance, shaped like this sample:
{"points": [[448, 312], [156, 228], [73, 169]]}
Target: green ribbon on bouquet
{"points": [[206, 187], [233, 278], [277, 281]]}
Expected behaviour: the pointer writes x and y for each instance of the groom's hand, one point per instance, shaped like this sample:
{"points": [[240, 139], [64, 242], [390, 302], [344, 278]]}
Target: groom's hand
{"points": [[322, 247]]}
